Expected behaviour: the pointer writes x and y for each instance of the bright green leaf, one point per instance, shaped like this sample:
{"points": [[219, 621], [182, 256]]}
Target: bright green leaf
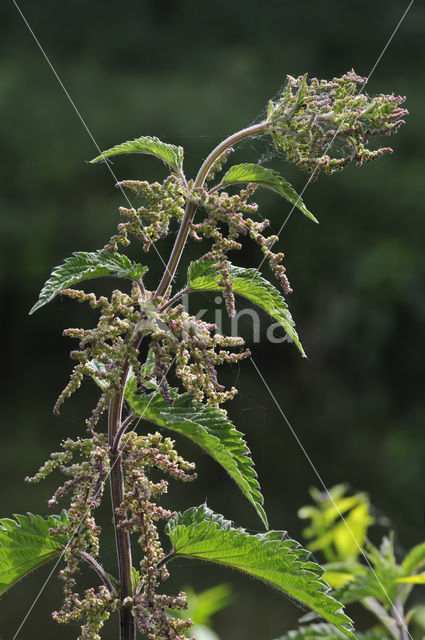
{"points": [[83, 265], [266, 178], [414, 559], [168, 153], [271, 557], [250, 284], [338, 538], [418, 579], [378, 581], [208, 428], [26, 543]]}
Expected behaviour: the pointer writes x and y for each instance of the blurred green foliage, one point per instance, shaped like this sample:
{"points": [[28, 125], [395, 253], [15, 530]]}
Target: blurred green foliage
{"points": [[202, 607], [361, 572], [333, 518], [191, 74]]}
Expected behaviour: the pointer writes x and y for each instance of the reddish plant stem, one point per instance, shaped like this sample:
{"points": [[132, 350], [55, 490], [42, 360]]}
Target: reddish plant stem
{"points": [[122, 537]]}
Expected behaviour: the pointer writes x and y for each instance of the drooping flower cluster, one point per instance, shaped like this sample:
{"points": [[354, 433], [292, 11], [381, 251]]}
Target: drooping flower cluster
{"points": [[139, 513], [326, 124], [197, 352], [162, 203], [104, 350], [94, 609], [84, 487], [228, 218], [177, 340]]}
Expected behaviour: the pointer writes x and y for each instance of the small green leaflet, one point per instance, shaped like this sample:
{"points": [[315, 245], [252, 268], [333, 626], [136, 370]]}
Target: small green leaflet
{"points": [[325, 632], [271, 557], [250, 284], [208, 428], [266, 178], [414, 559], [25, 544], [83, 265], [168, 153], [135, 577]]}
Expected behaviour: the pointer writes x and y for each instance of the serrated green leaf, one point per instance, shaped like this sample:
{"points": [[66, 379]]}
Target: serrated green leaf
{"points": [[325, 632], [250, 284], [208, 428], [26, 543], [414, 559], [271, 557], [83, 265], [266, 178], [168, 153]]}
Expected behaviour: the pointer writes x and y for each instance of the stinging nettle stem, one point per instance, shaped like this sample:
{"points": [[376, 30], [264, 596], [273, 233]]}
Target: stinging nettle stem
{"points": [[122, 537], [191, 206]]}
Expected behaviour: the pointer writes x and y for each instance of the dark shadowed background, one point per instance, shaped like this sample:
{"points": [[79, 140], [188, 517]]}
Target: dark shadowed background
{"points": [[192, 73]]}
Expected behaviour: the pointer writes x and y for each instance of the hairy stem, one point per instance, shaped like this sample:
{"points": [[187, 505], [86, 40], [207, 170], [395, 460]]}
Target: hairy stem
{"points": [[166, 559], [383, 616], [99, 570], [191, 206], [174, 299], [122, 537], [400, 619]]}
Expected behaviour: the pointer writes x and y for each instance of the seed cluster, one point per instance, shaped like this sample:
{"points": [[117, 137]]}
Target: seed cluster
{"points": [[228, 218], [103, 350], [84, 487], [197, 353], [163, 202], [326, 124], [139, 513]]}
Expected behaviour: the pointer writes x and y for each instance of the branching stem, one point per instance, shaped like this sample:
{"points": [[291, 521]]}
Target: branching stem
{"points": [[165, 559], [174, 299], [192, 206], [99, 570], [123, 428]]}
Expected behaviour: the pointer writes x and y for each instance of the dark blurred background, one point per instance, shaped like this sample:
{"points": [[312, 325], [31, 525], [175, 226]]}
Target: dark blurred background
{"points": [[192, 73]]}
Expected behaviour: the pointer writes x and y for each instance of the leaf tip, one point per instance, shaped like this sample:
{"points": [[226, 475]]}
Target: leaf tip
{"points": [[311, 216]]}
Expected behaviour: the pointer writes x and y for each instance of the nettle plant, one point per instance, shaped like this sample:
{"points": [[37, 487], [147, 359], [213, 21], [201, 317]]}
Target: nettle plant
{"points": [[318, 125], [360, 571]]}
